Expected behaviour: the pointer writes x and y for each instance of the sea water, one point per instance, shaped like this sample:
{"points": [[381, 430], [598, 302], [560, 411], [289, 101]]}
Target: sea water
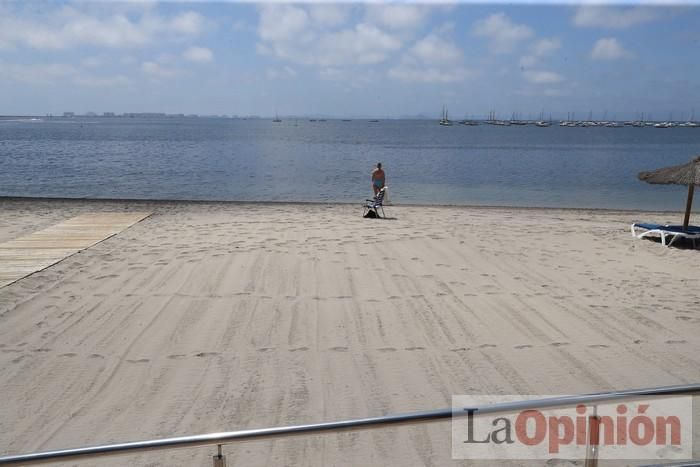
{"points": [[331, 161]]}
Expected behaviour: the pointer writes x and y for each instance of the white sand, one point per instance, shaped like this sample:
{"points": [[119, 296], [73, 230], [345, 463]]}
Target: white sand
{"points": [[216, 317]]}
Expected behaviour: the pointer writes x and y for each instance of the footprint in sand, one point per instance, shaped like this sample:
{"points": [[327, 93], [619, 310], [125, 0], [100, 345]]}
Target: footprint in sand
{"points": [[598, 346], [176, 356], [141, 360], [558, 344], [299, 349], [69, 354], [339, 349], [415, 348], [206, 354], [684, 318], [671, 341], [486, 346], [96, 355], [108, 276], [460, 349], [387, 349], [524, 346]]}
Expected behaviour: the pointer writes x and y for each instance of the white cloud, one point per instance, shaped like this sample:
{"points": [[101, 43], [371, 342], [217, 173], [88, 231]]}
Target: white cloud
{"points": [[328, 15], [433, 49], [502, 33], [612, 17], [198, 54], [68, 27], [609, 48], [36, 73], [546, 46], [190, 23], [396, 16], [156, 70], [322, 34], [52, 73], [539, 50], [292, 33], [431, 60], [542, 77], [362, 45], [282, 22]]}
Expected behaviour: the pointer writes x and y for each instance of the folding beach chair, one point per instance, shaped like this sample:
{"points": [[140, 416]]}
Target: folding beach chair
{"points": [[373, 205], [664, 231]]}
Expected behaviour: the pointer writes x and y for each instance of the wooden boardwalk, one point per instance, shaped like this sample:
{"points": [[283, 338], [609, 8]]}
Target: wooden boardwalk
{"points": [[26, 255]]}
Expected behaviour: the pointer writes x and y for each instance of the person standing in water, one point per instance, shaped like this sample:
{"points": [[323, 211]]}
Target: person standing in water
{"points": [[378, 178]]}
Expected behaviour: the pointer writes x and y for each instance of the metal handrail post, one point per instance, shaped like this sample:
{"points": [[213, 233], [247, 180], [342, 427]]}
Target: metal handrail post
{"points": [[219, 458], [593, 443]]}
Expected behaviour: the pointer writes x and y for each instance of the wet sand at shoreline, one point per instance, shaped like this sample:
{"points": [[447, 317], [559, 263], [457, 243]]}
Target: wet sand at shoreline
{"points": [[211, 317]]}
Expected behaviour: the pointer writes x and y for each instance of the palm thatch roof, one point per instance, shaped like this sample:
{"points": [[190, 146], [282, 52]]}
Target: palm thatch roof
{"points": [[685, 174]]}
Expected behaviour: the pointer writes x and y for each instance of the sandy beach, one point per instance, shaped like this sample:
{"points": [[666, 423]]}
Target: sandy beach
{"points": [[209, 317]]}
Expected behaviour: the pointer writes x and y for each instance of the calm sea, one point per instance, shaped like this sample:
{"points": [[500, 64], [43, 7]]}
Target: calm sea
{"points": [[300, 160]]}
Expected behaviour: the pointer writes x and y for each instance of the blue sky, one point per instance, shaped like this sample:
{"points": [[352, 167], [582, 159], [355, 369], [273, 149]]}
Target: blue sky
{"points": [[372, 59]]}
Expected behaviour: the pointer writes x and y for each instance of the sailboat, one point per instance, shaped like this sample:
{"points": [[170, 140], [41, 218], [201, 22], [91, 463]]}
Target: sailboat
{"points": [[277, 118], [691, 123], [469, 122], [445, 121], [542, 123]]}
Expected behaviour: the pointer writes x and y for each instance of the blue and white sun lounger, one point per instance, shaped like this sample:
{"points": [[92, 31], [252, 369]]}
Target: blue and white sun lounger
{"points": [[663, 231], [376, 203]]}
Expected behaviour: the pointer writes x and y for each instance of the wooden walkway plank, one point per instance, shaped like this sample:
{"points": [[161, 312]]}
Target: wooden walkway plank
{"points": [[31, 253]]}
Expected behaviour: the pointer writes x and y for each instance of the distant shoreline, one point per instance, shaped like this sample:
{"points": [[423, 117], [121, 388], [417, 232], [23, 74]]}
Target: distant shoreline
{"points": [[319, 203]]}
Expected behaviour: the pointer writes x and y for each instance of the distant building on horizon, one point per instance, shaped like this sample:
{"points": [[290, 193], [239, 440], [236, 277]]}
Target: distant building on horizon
{"points": [[108, 114], [145, 114], [69, 114]]}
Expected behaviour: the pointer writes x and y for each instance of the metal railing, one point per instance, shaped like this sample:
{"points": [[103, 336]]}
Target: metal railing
{"points": [[411, 418]]}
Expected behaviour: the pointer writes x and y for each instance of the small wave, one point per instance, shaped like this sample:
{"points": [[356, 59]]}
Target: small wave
{"points": [[21, 120]]}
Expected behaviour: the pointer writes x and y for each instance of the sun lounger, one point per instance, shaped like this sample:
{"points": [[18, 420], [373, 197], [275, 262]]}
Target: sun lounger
{"points": [[663, 231], [375, 204]]}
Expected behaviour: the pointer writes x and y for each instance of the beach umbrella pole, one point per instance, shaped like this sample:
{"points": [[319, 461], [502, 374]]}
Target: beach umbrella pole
{"points": [[688, 205]]}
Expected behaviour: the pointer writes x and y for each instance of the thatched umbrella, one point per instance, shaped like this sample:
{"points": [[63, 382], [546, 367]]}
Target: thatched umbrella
{"points": [[685, 174]]}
